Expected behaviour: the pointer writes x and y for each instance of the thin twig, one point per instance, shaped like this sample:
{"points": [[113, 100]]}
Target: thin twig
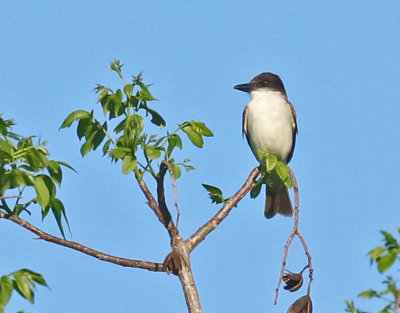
{"points": [[151, 266], [173, 182], [285, 254], [208, 227], [296, 191], [295, 232], [308, 254], [9, 197]]}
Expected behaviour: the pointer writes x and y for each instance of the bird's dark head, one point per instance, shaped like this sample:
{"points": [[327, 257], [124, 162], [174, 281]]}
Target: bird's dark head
{"points": [[264, 80]]}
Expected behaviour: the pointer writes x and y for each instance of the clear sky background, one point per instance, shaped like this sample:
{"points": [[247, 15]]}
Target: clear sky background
{"points": [[339, 61]]}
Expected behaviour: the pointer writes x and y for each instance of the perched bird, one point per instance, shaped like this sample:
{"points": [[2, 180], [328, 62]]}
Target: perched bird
{"points": [[269, 123]]}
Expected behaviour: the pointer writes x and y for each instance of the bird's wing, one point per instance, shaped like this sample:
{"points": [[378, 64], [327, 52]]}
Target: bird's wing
{"points": [[244, 121], [294, 131]]}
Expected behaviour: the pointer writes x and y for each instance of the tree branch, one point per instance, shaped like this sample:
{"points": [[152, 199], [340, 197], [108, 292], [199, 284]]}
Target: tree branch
{"points": [[190, 290], [208, 227], [168, 223], [151, 266], [151, 201]]}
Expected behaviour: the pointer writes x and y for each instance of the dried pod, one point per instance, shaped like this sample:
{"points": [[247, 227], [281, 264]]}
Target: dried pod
{"points": [[301, 305], [172, 263], [293, 281]]}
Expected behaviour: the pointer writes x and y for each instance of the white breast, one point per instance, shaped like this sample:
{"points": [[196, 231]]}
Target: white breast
{"points": [[269, 123]]}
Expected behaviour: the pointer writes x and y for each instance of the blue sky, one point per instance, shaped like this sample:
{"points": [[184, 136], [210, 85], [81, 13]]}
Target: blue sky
{"points": [[339, 62]]}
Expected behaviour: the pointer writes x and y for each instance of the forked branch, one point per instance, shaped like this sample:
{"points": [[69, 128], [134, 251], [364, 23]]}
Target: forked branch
{"points": [[295, 232]]}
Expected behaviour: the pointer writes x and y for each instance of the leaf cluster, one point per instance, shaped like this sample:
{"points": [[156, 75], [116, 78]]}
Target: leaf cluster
{"points": [[384, 257], [128, 141], [215, 194], [274, 174], [23, 281], [25, 163]]}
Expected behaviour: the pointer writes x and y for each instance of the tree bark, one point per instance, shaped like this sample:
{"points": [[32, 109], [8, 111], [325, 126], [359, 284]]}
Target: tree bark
{"points": [[190, 290]]}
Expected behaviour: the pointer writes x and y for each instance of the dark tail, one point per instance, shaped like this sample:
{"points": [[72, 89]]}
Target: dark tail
{"points": [[278, 203]]}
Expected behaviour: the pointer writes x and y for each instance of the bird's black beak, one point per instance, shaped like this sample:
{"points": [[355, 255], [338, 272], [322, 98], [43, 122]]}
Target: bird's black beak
{"points": [[243, 87]]}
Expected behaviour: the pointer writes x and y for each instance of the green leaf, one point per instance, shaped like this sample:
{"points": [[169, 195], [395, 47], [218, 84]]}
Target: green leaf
{"points": [[368, 294], [214, 193], [350, 307], [152, 152], [20, 178], [66, 165], [35, 277], [120, 152], [5, 157], [76, 115], [21, 284], [120, 127], [156, 118], [144, 93], [115, 104], [88, 145], [103, 92], [271, 162], [255, 191], [188, 168], [129, 163], [176, 170], [45, 190], [85, 128], [106, 146], [390, 241], [36, 158], [194, 137], [6, 289], [55, 171], [283, 172], [377, 252], [116, 66], [3, 127], [58, 209], [386, 261], [99, 136], [201, 128], [173, 141], [136, 123], [128, 89]]}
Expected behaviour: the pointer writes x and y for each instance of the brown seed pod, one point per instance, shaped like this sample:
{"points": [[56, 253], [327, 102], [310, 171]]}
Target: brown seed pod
{"points": [[293, 281], [301, 305]]}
